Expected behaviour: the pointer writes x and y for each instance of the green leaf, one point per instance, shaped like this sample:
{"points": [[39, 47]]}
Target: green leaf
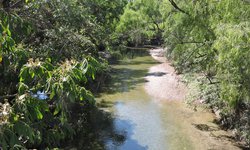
{"points": [[40, 71], [15, 118], [8, 31], [52, 94], [39, 114], [10, 41], [93, 75], [22, 88], [57, 110], [24, 74], [32, 73]]}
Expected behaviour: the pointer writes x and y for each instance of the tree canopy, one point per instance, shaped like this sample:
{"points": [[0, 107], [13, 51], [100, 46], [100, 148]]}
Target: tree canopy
{"points": [[50, 59], [208, 38]]}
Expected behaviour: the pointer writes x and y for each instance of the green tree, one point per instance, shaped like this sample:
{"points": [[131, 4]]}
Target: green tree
{"points": [[141, 22], [48, 63]]}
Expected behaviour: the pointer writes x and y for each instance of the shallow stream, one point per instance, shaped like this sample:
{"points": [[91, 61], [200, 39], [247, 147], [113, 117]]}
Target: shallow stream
{"points": [[145, 123]]}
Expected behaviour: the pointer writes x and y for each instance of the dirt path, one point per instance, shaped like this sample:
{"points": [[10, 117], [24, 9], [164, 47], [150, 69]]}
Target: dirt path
{"points": [[163, 84]]}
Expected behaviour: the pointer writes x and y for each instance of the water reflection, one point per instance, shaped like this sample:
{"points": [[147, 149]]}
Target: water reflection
{"points": [[129, 73], [124, 141], [127, 118], [138, 122], [125, 79]]}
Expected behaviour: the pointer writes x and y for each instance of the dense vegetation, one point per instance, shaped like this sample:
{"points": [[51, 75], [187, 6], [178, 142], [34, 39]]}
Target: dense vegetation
{"points": [[49, 64], [209, 40], [213, 39], [50, 59]]}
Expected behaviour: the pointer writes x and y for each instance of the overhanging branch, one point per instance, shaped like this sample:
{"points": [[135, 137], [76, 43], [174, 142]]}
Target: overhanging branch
{"points": [[177, 7]]}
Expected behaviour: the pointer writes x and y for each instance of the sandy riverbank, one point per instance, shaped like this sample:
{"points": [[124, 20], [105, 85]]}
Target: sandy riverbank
{"points": [[163, 84]]}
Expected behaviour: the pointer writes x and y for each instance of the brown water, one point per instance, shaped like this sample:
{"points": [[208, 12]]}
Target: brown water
{"points": [[147, 119]]}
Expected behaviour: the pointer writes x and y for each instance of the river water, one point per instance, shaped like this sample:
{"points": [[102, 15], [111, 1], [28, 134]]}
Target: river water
{"points": [[143, 121]]}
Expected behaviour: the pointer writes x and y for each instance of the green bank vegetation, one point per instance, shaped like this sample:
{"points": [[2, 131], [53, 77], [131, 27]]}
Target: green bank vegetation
{"points": [[50, 59], [209, 39], [49, 67]]}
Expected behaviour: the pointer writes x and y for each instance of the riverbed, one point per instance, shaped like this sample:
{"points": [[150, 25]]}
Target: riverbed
{"points": [[149, 110]]}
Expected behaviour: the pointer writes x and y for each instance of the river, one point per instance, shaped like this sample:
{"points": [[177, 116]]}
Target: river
{"points": [[149, 112]]}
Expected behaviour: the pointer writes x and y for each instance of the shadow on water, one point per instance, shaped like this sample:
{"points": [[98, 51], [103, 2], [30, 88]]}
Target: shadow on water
{"points": [[102, 130], [133, 53], [124, 80], [128, 75], [156, 74]]}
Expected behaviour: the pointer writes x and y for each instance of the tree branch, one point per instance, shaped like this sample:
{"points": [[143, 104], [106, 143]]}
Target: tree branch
{"points": [[2, 98], [193, 52], [210, 80], [176, 7], [17, 4]]}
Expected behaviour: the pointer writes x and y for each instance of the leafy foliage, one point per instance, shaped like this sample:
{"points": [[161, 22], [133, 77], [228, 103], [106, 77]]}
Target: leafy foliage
{"points": [[205, 38], [140, 22], [211, 38], [49, 59]]}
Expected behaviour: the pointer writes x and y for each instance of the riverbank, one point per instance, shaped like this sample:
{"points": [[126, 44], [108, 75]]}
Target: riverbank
{"points": [[164, 84]]}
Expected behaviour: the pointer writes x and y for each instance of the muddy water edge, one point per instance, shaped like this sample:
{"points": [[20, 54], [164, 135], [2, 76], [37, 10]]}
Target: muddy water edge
{"points": [[147, 105]]}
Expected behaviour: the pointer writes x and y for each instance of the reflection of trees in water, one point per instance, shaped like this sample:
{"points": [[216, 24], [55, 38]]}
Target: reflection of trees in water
{"points": [[134, 52], [124, 80], [93, 128], [102, 129], [99, 130], [117, 133]]}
